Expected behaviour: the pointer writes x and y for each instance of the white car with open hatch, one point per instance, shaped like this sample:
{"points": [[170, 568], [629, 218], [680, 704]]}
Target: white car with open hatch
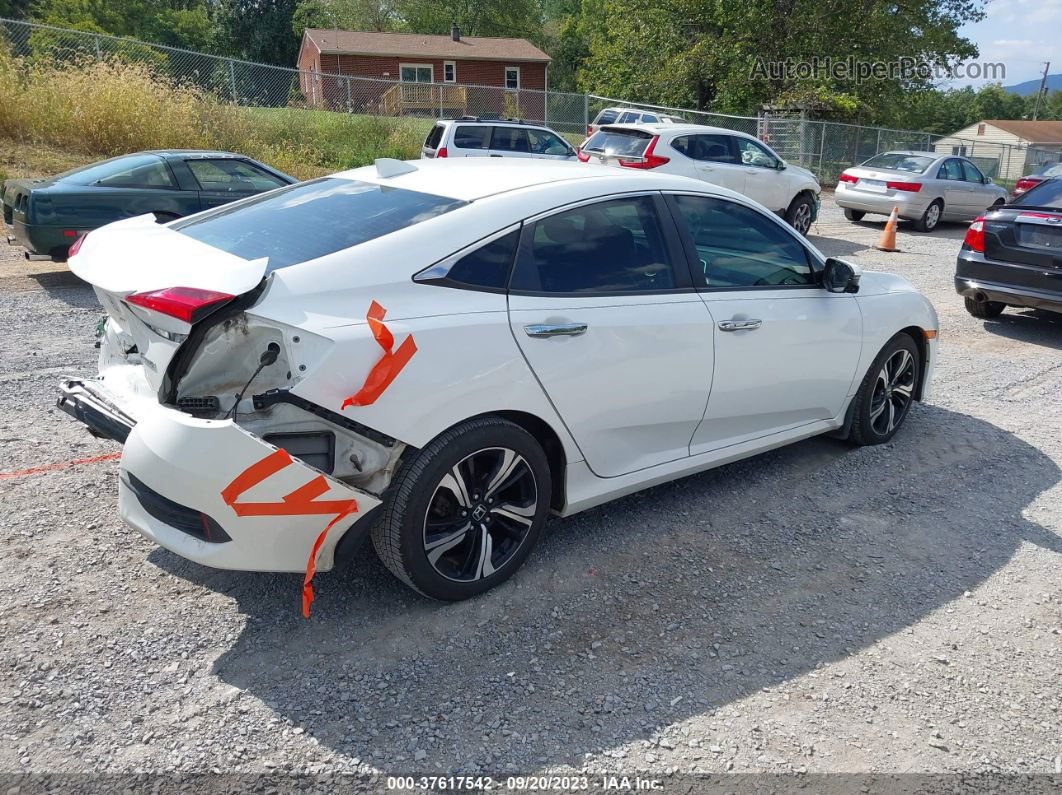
{"points": [[438, 354]]}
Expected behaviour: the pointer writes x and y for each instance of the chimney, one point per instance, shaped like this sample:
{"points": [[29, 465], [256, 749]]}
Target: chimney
{"points": [[455, 32]]}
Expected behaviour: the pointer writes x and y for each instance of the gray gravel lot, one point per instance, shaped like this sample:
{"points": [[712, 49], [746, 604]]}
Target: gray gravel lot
{"points": [[821, 608]]}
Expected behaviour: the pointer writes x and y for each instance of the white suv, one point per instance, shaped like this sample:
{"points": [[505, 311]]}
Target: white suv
{"points": [[629, 116], [723, 157], [470, 136]]}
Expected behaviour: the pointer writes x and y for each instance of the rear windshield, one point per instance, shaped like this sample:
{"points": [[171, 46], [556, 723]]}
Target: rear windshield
{"points": [[432, 141], [1050, 170], [606, 117], [312, 219], [1047, 194], [914, 164], [87, 175], [626, 143]]}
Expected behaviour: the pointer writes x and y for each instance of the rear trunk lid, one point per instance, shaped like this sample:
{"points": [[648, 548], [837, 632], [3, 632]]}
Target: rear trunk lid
{"points": [[1030, 237], [139, 255]]}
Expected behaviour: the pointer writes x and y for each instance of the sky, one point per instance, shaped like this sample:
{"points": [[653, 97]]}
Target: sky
{"points": [[1021, 34]]}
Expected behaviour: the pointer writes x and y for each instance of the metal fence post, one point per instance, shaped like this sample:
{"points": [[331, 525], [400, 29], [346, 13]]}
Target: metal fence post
{"points": [[350, 104], [586, 111], [232, 80], [99, 53]]}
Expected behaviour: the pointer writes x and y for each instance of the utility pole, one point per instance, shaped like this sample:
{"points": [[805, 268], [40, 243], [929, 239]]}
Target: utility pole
{"points": [[1042, 90]]}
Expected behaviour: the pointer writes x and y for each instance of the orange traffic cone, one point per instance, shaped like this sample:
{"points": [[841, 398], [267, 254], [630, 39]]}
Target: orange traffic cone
{"points": [[887, 241]]}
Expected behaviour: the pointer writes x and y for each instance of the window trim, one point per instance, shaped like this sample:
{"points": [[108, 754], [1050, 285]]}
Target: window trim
{"points": [[453, 72], [402, 66], [505, 78], [693, 259], [438, 273], [668, 229]]}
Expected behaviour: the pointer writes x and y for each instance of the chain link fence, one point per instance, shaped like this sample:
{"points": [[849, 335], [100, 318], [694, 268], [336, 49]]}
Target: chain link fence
{"points": [[823, 147]]}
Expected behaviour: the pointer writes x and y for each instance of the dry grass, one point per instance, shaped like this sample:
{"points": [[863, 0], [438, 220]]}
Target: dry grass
{"points": [[106, 108]]}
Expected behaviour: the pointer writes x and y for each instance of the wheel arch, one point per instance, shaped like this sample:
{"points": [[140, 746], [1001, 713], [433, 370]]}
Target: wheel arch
{"points": [[918, 336], [551, 445]]}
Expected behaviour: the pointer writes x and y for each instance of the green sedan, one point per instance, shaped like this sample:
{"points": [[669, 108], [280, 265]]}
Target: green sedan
{"points": [[47, 215]]}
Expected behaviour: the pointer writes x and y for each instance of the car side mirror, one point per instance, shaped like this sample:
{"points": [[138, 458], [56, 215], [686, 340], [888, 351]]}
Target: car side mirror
{"points": [[989, 181], [841, 277]]}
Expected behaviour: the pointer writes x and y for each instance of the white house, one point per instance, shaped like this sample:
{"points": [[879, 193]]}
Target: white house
{"points": [[1013, 146]]}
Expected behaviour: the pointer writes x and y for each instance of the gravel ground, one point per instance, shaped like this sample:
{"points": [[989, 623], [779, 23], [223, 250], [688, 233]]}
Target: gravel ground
{"points": [[819, 609]]}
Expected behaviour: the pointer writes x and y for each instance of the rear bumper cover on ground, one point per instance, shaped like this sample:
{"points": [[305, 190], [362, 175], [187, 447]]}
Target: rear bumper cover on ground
{"points": [[176, 468]]}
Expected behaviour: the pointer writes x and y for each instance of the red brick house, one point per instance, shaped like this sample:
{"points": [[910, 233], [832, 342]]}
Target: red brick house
{"points": [[422, 75]]}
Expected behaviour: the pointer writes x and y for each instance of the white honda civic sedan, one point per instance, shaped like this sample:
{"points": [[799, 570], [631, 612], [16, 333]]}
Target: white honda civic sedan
{"points": [[439, 354]]}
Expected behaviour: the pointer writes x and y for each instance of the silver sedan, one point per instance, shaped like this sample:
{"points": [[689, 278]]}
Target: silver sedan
{"points": [[925, 186]]}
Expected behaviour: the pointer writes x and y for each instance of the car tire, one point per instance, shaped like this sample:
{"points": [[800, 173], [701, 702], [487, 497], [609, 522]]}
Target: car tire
{"points": [[450, 528], [801, 211], [931, 217], [985, 310], [884, 398], [854, 215]]}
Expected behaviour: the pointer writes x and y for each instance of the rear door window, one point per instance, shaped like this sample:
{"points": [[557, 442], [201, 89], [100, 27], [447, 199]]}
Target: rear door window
{"points": [[612, 246], [312, 219], [606, 117], [951, 169], [629, 118], [510, 139], [467, 136]]}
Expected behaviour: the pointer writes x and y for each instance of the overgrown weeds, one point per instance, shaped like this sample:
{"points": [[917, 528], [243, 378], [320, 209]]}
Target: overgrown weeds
{"points": [[111, 107]]}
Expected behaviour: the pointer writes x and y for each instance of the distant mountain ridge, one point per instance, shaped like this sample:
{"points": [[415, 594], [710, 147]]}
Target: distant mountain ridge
{"points": [[1054, 83]]}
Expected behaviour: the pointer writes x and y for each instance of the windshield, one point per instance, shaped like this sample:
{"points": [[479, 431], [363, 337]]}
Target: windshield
{"points": [[626, 143], [1047, 194], [898, 161], [312, 219]]}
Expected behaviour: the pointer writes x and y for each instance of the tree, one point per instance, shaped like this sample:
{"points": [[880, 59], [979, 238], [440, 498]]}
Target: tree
{"points": [[517, 18], [258, 30], [376, 15], [178, 23], [705, 53]]}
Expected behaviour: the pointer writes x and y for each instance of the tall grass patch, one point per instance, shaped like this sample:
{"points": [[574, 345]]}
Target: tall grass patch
{"points": [[111, 107]]}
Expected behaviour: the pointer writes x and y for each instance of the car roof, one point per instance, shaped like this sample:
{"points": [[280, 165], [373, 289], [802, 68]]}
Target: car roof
{"points": [[920, 152], [510, 122], [470, 179], [676, 129], [190, 154]]}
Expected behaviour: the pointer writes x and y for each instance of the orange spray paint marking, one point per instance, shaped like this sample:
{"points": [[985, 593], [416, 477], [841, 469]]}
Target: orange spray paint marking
{"points": [[389, 365], [301, 502], [59, 465]]}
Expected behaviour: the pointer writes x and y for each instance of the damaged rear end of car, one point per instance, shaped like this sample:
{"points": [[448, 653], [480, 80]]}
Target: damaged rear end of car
{"points": [[225, 461]]}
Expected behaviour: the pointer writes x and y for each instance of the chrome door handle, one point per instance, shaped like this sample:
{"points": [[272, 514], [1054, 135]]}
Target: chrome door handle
{"points": [[555, 329], [739, 325]]}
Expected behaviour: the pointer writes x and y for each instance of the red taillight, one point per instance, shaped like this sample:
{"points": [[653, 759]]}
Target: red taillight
{"points": [[76, 246], [184, 303], [648, 160], [69, 233], [442, 152], [1026, 183], [583, 158], [909, 187], [846, 177], [975, 235]]}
